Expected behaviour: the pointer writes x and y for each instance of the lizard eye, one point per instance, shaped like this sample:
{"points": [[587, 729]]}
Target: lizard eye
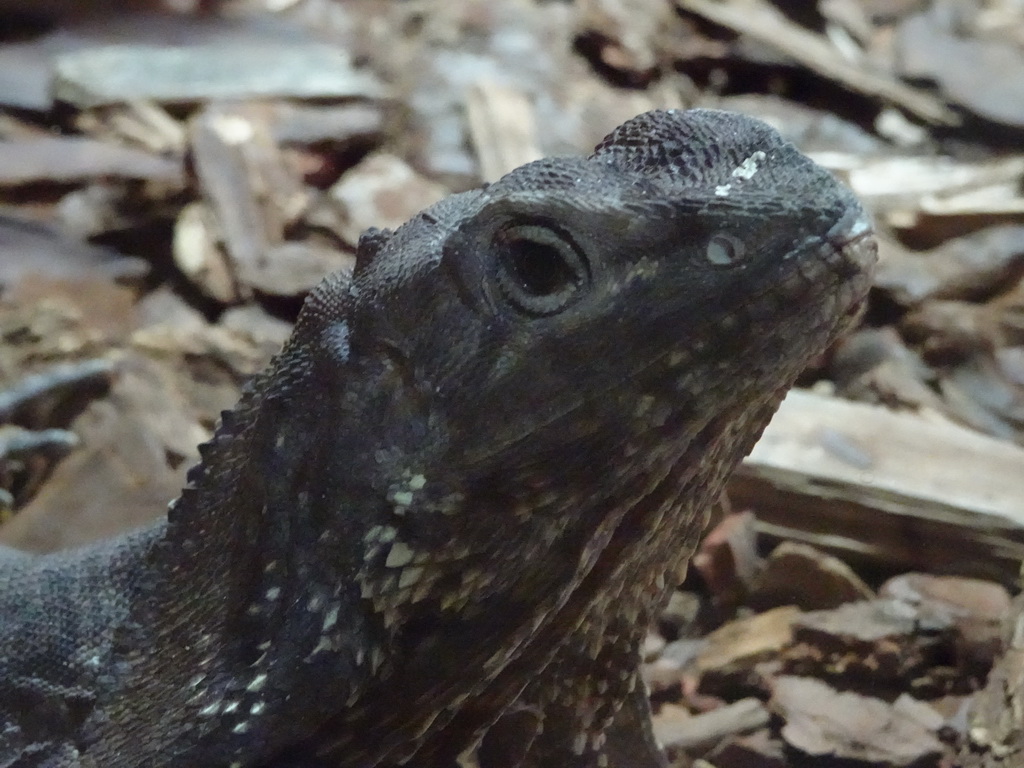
{"points": [[538, 269]]}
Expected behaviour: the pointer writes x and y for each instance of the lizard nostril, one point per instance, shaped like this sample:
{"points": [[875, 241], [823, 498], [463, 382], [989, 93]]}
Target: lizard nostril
{"points": [[724, 250]]}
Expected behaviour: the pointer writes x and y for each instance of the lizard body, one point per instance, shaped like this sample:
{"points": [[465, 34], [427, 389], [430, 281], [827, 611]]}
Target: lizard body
{"points": [[434, 531]]}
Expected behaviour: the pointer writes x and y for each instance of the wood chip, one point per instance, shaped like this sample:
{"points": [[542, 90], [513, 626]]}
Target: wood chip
{"points": [[968, 58], [294, 268], [880, 644], [340, 125], [708, 728], [249, 187], [215, 71], [960, 509], [902, 188], [739, 645], [142, 123], [119, 477], [976, 608], [756, 750], [996, 732], [382, 191], [824, 724], [502, 128], [70, 159], [766, 24], [801, 575], [727, 559], [31, 248], [974, 266], [198, 255]]}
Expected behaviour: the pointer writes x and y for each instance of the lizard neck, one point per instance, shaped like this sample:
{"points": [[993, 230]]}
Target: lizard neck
{"points": [[244, 596]]}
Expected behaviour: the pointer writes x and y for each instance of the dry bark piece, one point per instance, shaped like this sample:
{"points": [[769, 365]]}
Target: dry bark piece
{"points": [[727, 559], [742, 642], [217, 70], [899, 189], [382, 191], [24, 77], [197, 253], [267, 332], [866, 348], [105, 310], [995, 729], [627, 38], [228, 149], [898, 385], [972, 267], [850, 16], [164, 306], [521, 45], [117, 479], [652, 646], [700, 732], [881, 644], [103, 206], [968, 343], [681, 613], [250, 189], [801, 575], [17, 444], [683, 652], [502, 128], [952, 330], [661, 676], [54, 384], [203, 365], [759, 749], [766, 24], [71, 159], [729, 661], [976, 609], [44, 332], [875, 365], [294, 268], [226, 357], [978, 393], [26, 458], [141, 123], [340, 125], [824, 724], [970, 63], [1010, 360], [959, 511], [120, 477]]}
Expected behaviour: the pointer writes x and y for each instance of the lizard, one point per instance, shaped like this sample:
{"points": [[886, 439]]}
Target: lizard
{"points": [[434, 531]]}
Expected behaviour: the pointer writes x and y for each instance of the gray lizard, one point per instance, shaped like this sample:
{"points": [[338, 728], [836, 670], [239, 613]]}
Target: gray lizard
{"points": [[435, 530]]}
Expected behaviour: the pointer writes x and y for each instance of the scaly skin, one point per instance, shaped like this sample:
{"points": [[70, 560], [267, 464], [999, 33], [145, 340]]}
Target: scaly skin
{"points": [[434, 532]]}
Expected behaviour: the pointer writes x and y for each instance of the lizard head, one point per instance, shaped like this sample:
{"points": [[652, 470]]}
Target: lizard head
{"points": [[518, 369], [691, 248], [694, 263]]}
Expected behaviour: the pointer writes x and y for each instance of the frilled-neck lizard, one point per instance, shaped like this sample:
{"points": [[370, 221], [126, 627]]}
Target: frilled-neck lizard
{"points": [[434, 532]]}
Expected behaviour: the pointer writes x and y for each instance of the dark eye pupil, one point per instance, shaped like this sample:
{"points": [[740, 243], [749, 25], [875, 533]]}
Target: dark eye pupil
{"points": [[538, 268]]}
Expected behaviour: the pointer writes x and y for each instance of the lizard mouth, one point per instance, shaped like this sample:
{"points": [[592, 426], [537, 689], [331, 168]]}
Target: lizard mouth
{"points": [[854, 226], [852, 236]]}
